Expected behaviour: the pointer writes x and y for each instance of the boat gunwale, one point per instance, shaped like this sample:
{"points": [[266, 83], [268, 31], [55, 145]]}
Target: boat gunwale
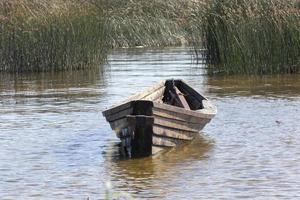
{"points": [[194, 113], [133, 97], [205, 112]]}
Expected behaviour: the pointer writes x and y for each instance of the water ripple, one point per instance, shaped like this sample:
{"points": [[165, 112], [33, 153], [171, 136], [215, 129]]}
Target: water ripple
{"points": [[55, 144]]}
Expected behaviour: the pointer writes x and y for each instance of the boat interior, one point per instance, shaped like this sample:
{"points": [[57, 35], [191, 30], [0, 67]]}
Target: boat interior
{"points": [[178, 93]]}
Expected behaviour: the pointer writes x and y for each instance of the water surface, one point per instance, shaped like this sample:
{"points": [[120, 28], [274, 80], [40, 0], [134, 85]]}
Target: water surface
{"points": [[55, 144]]}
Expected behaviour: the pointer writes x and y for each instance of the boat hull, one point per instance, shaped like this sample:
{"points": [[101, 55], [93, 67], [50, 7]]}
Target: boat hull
{"points": [[163, 116], [171, 125]]}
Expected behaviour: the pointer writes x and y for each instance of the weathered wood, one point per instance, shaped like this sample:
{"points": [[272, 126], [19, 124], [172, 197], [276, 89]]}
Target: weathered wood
{"points": [[119, 124], [173, 133], [138, 108], [139, 96], [155, 95], [181, 125], [174, 99], [119, 115], [182, 99], [125, 136], [116, 109], [193, 102], [210, 114], [141, 143], [177, 115], [146, 124], [187, 89], [145, 107], [137, 140], [142, 107]]}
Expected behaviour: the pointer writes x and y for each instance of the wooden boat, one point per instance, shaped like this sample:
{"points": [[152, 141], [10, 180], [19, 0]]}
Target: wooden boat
{"points": [[163, 116]]}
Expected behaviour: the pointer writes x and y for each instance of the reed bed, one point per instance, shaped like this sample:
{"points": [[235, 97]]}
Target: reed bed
{"points": [[40, 35], [248, 37], [150, 23], [49, 35], [253, 36]]}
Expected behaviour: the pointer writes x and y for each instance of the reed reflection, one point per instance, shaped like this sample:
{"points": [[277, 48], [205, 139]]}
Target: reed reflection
{"points": [[277, 86]]}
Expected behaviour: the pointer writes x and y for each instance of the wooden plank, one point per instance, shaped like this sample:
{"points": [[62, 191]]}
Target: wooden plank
{"points": [[209, 114], [158, 94], [173, 133], [174, 100], [119, 115], [193, 97], [182, 99], [177, 115], [181, 125], [138, 108], [120, 111], [126, 103], [193, 102], [116, 109], [141, 142], [205, 114], [183, 86], [142, 107], [119, 124], [207, 107]]}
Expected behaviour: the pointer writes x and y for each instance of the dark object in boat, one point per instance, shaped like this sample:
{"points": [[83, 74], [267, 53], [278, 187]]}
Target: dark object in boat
{"points": [[161, 117]]}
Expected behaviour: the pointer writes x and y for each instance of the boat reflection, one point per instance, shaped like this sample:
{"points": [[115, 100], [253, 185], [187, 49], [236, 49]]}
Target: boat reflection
{"points": [[136, 175]]}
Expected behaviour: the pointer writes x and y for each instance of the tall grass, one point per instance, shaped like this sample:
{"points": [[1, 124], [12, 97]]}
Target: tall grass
{"points": [[252, 36], [241, 36], [40, 35], [49, 35], [148, 23]]}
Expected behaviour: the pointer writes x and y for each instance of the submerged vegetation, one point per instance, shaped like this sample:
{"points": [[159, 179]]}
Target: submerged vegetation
{"points": [[255, 36]]}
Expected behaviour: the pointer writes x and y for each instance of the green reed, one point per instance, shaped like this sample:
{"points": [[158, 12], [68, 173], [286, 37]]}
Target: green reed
{"points": [[40, 35], [249, 37], [147, 23], [253, 36], [49, 36]]}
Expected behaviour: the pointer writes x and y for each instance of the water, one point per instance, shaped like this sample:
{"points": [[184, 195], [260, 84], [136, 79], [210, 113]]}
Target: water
{"points": [[55, 144]]}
